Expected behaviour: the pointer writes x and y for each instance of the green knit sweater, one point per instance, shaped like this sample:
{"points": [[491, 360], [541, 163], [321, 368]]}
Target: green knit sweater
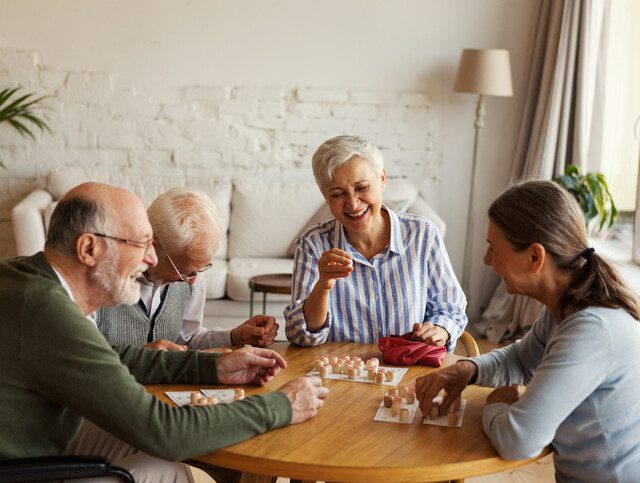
{"points": [[56, 368]]}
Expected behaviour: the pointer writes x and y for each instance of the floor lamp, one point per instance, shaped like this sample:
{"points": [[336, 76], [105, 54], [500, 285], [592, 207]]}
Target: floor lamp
{"points": [[486, 72]]}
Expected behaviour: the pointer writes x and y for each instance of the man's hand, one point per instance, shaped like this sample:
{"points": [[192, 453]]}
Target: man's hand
{"points": [[165, 345], [259, 330], [306, 395], [504, 394], [332, 265], [249, 365], [430, 334], [453, 379]]}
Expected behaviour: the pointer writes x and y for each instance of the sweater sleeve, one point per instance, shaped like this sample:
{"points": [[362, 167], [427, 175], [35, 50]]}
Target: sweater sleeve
{"points": [[576, 362], [69, 362], [516, 363]]}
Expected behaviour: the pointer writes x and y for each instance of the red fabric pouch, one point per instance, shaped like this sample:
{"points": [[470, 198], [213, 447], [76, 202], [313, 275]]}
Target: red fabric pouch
{"points": [[402, 351]]}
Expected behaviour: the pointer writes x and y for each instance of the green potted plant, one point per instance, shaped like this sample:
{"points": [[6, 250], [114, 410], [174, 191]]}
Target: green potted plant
{"points": [[19, 112], [592, 193]]}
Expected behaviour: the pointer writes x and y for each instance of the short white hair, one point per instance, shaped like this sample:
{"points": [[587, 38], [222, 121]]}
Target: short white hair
{"points": [[186, 222], [340, 150]]}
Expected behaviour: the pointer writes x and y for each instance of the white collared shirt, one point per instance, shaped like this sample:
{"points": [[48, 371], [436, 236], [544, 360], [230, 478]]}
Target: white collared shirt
{"points": [[65, 285], [192, 333]]}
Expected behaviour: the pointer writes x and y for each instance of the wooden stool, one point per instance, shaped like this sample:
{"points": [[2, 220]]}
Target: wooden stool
{"points": [[271, 283]]}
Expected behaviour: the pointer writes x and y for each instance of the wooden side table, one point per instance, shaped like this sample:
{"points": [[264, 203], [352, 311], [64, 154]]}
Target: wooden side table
{"points": [[270, 283]]}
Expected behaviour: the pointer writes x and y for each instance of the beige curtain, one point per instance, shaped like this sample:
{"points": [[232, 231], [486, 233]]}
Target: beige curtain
{"points": [[563, 97]]}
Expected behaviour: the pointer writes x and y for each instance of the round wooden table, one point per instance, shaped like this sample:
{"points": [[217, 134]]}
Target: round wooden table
{"points": [[344, 443], [271, 283]]}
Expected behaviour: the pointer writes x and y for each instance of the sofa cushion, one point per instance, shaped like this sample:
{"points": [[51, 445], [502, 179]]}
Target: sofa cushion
{"points": [[267, 215], [242, 269], [218, 188], [216, 279]]}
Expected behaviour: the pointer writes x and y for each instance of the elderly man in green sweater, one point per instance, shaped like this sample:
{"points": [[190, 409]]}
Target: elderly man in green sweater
{"points": [[56, 368]]}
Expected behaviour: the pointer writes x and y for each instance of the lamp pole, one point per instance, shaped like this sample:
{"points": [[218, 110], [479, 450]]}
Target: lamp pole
{"points": [[479, 124]]}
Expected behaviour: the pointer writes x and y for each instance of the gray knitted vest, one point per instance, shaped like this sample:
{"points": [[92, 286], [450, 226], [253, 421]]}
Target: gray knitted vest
{"points": [[130, 324]]}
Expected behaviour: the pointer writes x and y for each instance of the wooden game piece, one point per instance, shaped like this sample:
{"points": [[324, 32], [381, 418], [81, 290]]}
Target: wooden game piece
{"points": [[333, 360], [456, 403], [391, 375], [324, 370], [380, 377], [318, 364], [336, 368], [452, 418], [433, 413], [359, 370], [195, 396], [404, 415], [352, 372], [239, 394], [325, 359], [371, 373], [395, 407], [212, 400], [388, 400], [411, 397]]}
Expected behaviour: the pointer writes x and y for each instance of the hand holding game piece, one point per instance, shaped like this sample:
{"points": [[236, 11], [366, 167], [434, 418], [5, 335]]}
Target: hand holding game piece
{"points": [[332, 265], [249, 365], [453, 379], [306, 395]]}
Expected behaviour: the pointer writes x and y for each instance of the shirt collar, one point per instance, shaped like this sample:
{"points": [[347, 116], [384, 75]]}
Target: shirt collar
{"points": [[67, 289], [395, 241]]}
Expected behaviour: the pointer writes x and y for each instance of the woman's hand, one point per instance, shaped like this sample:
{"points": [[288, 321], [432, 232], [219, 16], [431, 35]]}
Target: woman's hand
{"points": [[453, 379], [430, 334], [332, 265]]}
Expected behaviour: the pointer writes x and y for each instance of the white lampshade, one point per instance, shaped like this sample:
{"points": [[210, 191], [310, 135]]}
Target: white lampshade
{"points": [[484, 71]]}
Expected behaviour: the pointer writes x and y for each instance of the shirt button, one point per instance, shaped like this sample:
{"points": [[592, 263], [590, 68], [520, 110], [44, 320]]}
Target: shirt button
{"points": [[376, 296]]}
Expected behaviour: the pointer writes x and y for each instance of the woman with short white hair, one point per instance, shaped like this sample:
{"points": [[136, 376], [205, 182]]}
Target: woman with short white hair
{"points": [[370, 272]]}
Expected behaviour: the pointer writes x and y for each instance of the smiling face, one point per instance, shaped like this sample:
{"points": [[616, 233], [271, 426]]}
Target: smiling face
{"points": [[124, 263], [513, 266], [354, 195]]}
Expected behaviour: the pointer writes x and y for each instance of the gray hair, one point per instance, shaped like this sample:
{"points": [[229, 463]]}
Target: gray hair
{"points": [[71, 218], [340, 150], [186, 222]]}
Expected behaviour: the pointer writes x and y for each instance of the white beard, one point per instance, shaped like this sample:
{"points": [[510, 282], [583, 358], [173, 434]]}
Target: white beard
{"points": [[123, 291]]}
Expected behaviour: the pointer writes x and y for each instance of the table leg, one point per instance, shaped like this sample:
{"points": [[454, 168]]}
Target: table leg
{"points": [[264, 303], [251, 301]]}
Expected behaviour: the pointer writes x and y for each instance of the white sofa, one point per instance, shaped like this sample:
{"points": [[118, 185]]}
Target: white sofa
{"points": [[262, 219]]}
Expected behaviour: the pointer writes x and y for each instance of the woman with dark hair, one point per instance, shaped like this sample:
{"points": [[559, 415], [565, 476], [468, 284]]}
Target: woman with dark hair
{"points": [[581, 359]]}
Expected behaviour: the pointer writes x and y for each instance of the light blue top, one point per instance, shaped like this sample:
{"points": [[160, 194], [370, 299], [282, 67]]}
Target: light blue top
{"points": [[410, 281], [583, 395]]}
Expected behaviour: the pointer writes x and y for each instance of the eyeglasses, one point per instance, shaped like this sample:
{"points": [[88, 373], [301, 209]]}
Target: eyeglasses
{"points": [[140, 244], [185, 276]]}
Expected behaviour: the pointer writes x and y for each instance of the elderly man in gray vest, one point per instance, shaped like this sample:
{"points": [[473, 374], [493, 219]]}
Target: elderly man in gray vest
{"points": [[170, 313]]}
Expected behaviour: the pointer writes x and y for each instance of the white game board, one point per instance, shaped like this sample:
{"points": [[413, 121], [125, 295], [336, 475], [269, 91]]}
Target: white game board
{"points": [[400, 372]]}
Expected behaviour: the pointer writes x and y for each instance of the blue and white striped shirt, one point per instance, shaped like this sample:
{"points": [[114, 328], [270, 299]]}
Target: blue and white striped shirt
{"points": [[410, 281]]}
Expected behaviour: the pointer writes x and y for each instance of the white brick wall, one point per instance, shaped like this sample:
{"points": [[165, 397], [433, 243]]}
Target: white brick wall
{"points": [[230, 130]]}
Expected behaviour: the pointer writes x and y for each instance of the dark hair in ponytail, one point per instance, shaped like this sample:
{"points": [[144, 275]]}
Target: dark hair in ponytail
{"points": [[542, 212]]}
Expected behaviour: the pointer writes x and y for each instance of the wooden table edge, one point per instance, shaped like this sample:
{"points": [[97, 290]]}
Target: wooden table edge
{"points": [[303, 471]]}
